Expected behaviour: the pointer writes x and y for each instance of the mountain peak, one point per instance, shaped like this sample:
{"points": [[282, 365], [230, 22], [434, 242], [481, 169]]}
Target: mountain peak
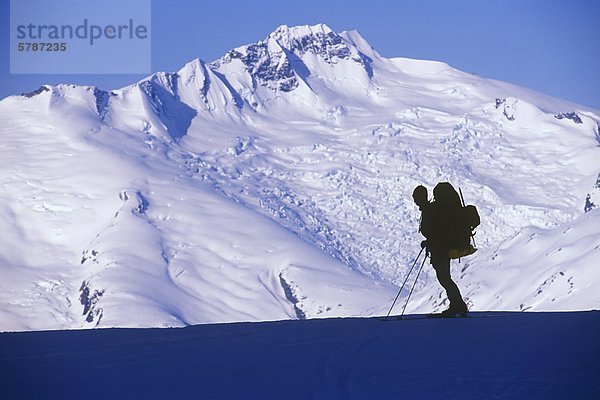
{"points": [[284, 32], [277, 61], [318, 39]]}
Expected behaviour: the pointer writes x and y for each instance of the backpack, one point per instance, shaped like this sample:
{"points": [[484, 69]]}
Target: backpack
{"points": [[462, 220]]}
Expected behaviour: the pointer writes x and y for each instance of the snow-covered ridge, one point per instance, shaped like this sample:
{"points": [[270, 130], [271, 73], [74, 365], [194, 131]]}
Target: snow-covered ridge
{"points": [[275, 183], [493, 355]]}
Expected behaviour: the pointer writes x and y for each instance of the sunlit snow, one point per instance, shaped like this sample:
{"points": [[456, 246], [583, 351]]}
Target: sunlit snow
{"points": [[276, 182]]}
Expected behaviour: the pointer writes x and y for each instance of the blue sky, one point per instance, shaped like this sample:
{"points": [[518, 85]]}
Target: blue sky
{"points": [[548, 45]]}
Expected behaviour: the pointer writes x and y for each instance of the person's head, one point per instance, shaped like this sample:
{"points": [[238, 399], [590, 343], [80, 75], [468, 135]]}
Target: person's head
{"points": [[420, 195]]}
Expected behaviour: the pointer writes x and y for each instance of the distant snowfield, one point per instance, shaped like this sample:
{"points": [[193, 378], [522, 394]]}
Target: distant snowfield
{"points": [[276, 183], [494, 355]]}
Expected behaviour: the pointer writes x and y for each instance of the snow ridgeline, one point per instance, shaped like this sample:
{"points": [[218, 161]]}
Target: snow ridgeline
{"points": [[493, 355], [275, 183]]}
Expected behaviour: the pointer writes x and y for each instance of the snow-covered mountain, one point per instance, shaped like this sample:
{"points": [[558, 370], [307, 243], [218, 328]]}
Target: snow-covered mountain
{"points": [[276, 181]]}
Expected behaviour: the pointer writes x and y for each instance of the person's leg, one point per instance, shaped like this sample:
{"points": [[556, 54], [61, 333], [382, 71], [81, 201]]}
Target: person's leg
{"points": [[442, 270]]}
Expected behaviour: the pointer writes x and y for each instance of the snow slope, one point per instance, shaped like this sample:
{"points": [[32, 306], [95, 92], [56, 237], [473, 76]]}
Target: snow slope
{"points": [[275, 183], [496, 355]]}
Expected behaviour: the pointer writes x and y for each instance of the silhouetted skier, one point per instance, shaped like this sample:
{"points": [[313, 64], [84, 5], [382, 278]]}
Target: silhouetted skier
{"points": [[438, 228]]}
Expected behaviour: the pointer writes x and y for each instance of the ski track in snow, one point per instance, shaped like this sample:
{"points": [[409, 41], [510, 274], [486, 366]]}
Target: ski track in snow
{"points": [[276, 183]]}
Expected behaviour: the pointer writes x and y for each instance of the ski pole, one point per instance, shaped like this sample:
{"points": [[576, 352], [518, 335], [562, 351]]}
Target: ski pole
{"points": [[414, 284], [404, 283]]}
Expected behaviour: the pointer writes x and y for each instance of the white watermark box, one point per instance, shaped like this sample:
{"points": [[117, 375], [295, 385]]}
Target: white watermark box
{"points": [[80, 37]]}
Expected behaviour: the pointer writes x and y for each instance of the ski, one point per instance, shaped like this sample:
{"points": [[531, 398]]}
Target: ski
{"points": [[449, 315]]}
